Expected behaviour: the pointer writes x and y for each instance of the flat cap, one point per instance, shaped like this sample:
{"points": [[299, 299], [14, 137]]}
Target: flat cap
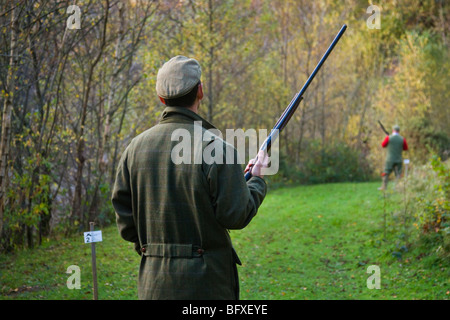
{"points": [[396, 128], [177, 77]]}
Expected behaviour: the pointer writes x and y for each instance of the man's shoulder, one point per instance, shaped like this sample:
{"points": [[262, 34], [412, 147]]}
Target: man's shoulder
{"points": [[150, 133], [218, 151], [395, 136]]}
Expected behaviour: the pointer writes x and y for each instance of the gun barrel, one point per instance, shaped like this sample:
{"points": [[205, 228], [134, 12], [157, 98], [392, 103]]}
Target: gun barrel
{"points": [[292, 107], [322, 60], [383, 128]]}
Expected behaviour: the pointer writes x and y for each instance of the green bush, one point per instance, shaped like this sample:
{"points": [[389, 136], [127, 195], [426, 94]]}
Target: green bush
{"points": [[430, 187], [332, 163], [427, 138]]}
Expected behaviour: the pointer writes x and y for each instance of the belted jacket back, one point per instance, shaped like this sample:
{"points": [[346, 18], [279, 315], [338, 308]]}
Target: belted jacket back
{"points": [[179, 211]]}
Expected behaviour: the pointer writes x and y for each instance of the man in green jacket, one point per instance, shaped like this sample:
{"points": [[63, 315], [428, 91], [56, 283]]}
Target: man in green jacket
{"points": [[178, 214], [395, 145]]}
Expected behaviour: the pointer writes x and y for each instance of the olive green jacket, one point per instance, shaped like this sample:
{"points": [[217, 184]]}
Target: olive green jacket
{"points": [[178, 215]]}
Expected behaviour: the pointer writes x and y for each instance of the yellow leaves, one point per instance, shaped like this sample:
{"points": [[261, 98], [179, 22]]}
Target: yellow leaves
{"points": [[353, 126]]}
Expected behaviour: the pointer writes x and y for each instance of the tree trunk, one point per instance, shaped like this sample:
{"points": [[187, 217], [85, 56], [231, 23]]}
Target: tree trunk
{"points": [[76, 203], [104, 149], [210, 64], [6, 119]]}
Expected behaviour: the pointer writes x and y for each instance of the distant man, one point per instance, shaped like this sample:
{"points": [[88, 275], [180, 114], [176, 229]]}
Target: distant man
{"points": [[395, 145], [178, 215]]}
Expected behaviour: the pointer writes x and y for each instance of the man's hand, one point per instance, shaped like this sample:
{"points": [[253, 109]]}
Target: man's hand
{"points": [[256, 164]]}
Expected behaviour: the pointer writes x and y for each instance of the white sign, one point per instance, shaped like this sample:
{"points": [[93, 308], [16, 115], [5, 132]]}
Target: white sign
{"points": [[93, 236], [374, 21], [74, 21], [373, 282], [406, 161]]}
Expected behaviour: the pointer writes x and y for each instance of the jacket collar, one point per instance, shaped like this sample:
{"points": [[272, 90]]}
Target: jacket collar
{"points": [[183, 115]]}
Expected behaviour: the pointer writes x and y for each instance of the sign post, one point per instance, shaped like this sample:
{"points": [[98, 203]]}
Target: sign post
{"points": [[92, 237], [406, 162]]}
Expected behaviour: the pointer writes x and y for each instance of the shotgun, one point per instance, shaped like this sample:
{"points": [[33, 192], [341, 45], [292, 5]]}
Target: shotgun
{"points": [[383, 128], [293, 105]]}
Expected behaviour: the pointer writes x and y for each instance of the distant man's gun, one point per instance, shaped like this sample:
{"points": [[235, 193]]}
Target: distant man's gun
{"points": [[383, 128], [292, 107]]}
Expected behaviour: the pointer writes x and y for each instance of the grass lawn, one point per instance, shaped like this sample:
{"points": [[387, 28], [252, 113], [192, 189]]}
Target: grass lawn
{"points": [[307, 242]]}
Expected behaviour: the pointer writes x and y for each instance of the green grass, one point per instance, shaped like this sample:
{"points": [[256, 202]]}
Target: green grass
{"points": [[307, 242], [41, 273], [316, 242]]}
